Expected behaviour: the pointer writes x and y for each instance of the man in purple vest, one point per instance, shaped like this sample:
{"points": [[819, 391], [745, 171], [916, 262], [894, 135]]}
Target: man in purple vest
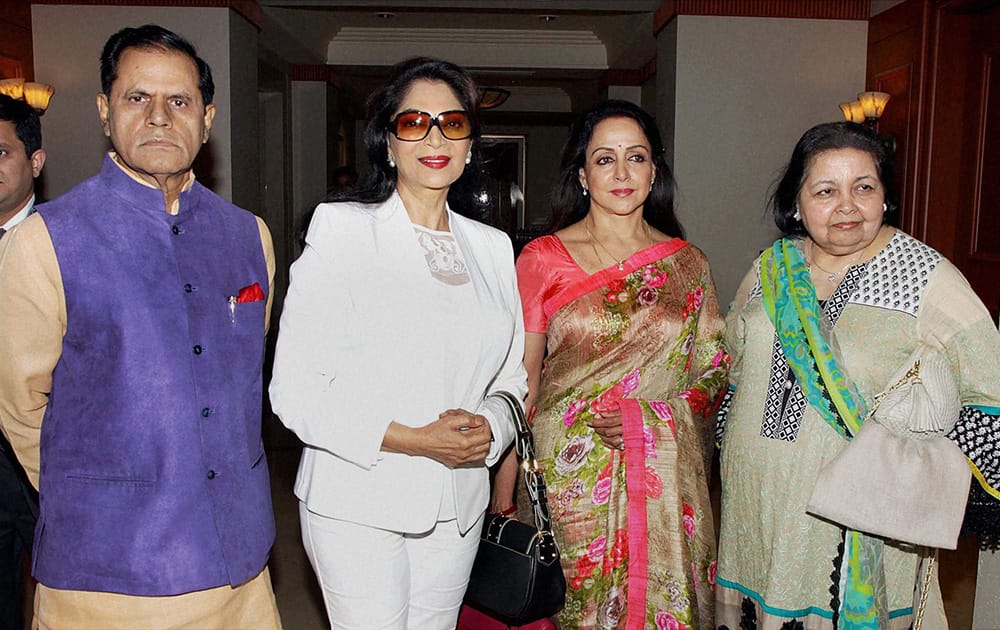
{"points": [[130, 387]]}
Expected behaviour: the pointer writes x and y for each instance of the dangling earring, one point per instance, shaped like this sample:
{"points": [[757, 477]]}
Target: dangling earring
{"points": [[797, 216], [392, 162], [584, 192], [468, 157]]}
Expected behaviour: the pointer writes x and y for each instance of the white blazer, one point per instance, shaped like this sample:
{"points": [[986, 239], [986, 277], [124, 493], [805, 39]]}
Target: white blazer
{"points": [[359, 347]]}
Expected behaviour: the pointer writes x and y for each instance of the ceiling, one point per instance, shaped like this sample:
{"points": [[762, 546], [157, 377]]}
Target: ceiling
{"points": [[551, 54]]}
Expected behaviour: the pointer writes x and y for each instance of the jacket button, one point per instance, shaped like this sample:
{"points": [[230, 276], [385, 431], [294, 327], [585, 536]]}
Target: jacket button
{"points": [[206, 412], [175, 230], [197, 349], [188, 288], [211, 474]]}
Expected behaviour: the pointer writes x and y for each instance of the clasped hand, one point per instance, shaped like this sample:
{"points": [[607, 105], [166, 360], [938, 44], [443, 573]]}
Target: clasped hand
{"points": [[608, 426], [458, 438]]}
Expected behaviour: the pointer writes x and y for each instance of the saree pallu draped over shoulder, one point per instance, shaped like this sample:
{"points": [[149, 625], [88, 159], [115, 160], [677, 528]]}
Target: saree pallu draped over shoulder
{"points": [[635, 527]]}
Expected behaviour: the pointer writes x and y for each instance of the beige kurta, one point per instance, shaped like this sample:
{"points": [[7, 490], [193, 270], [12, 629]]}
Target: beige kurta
{"points": [[33, 313], [249, 606], [775, 558]]}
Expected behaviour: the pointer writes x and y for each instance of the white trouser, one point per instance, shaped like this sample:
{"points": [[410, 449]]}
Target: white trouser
{"points": [[374, 579]]}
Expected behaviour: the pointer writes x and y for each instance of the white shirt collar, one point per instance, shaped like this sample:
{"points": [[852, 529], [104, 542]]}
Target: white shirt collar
{"points": [[21, 215]]}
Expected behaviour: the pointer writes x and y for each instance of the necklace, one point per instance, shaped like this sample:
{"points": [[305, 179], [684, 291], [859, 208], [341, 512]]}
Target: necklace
{"points": [[831, 276], [621, 263]]}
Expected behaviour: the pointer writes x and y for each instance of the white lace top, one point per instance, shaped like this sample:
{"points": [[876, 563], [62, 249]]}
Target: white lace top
{"points": [[443, 256]]}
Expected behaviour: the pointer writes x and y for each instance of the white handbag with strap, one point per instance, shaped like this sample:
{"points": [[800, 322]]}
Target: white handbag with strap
{"points": [[900, 477]]}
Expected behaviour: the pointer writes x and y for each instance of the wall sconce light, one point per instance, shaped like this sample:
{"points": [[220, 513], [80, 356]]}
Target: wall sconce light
{"points": [[13, 88], [491, 97], [853, 112], [867, 109], [873, 103], [35, 94], [38, 95]]}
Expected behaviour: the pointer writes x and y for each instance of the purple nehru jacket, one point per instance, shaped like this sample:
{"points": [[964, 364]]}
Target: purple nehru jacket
{"points": [[153, 477]]}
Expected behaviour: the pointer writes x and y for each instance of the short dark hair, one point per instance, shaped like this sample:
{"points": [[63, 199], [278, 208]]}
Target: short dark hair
{"points": [[382, 105], [152, 37], [27, 125], [569, 204], [819, 139]]}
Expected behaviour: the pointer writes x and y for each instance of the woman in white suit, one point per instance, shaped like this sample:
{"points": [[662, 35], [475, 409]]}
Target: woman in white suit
{"points": [[401, 319]]}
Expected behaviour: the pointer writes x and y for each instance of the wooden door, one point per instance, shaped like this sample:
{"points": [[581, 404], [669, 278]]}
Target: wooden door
{"points": [[974, 36], [15, 40], [895, 65], [940, 61]]}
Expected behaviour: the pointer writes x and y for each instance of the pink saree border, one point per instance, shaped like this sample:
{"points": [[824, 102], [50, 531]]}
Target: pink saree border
{"points": [[590, 282], [638, 532]]}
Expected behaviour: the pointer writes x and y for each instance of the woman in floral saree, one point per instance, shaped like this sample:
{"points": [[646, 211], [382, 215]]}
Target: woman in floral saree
{"points": [[625, 317]]}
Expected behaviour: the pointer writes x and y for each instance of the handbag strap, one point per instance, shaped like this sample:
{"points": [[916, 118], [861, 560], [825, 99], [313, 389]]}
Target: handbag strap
{"points": [[925, 588], [524, 444]]}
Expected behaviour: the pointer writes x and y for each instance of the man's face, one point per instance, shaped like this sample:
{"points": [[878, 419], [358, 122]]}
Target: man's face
{"points": [[17, 171], [155, 116]]}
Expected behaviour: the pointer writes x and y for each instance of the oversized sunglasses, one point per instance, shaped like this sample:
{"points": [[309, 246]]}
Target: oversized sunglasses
{"points": [[414, 125]]}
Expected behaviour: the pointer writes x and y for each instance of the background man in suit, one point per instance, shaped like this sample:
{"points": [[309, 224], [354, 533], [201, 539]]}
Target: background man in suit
{"points": [[21, 161], [134, 397]]}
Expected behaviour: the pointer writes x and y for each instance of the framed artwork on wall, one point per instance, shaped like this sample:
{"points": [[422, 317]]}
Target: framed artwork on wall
{"points": [[497, 199], [503, 161]]}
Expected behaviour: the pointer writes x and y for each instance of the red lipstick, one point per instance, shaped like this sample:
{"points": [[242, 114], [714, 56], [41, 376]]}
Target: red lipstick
{"points": [[435, 161]]}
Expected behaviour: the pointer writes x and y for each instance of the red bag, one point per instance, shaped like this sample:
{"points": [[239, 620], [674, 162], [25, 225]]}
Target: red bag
{"points": [[472, 619]]}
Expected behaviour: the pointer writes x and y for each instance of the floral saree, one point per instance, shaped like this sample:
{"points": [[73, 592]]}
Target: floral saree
{"points": [[635, 527]]}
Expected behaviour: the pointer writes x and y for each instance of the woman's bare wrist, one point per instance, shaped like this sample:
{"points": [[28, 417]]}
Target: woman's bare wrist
{"points": [[508, 511]]}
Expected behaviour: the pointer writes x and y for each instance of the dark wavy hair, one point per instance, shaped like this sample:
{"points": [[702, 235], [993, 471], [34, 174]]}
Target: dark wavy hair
{"points": [[152, 37], [829, 137], [27, 126], [380, 181], [569, 205]]}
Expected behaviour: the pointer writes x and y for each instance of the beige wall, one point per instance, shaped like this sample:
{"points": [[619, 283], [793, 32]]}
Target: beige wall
{"points": [[67, 43], [744, 90], [631, 93]]}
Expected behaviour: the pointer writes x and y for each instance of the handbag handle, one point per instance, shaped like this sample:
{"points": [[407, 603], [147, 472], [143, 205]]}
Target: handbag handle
{"points": [[524, 445], [925, 588]]}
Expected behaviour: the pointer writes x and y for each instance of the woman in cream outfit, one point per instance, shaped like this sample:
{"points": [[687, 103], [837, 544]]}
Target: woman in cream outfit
{"points": [[401, 318]]}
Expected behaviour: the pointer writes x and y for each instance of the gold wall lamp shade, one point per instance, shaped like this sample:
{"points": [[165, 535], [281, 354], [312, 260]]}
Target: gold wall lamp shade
{"points": [[867, 109], [13, 88], [35, 94], [853, 112], [873, 103]]}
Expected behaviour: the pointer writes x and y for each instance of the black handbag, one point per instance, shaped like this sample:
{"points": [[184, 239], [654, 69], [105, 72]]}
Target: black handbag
{"points": [[517, 577]]}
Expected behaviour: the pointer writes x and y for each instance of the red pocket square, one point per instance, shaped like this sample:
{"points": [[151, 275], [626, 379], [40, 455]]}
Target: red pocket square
{"points": [[251, 293]]}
